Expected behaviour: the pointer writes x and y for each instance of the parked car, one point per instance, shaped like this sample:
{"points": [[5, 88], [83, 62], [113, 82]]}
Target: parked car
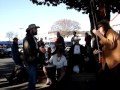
{"points": [[20, 48], [8, 52], [68, 44], [2, 52], [49, 44]]}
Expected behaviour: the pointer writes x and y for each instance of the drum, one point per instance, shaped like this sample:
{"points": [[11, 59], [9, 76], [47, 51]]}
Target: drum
{"points": [[51, 72]]}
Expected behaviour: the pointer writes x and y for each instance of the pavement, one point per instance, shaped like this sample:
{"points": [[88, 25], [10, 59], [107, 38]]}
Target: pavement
{"points": [[81, 81]]}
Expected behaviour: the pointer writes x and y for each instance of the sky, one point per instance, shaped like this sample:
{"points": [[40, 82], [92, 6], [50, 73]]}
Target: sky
{"points": [[16, 15]]}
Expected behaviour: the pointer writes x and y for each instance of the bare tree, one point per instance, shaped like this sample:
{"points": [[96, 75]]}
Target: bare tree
{"points": [[65, 27], [9, 35]]}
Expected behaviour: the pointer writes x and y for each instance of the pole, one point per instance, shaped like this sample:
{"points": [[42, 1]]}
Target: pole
{"points": [[92, 6]]}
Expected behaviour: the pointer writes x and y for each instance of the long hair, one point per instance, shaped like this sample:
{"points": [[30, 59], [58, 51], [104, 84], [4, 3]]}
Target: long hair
{"points": [[105, 24]]}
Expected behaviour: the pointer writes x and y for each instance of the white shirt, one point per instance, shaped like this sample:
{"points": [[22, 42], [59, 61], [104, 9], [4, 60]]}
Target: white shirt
{"points": [[59, 62], [77, 49], [73, 39]]}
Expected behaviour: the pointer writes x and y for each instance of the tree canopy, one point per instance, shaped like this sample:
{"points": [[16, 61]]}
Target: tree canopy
{"points": [[113, 5], [97, 9]]}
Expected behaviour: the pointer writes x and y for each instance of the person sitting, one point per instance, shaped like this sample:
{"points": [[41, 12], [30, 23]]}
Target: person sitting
{"points": [[60, 62], [74, 37]]}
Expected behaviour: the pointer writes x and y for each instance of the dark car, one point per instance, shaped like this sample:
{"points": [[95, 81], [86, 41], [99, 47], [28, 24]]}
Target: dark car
{"points": [[2, 52], [68, 44], [8, 52]]}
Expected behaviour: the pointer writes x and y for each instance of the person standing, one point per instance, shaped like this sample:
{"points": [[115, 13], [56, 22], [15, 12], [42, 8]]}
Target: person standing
{"points": [[30, 49], [87, 39], [109, 75], [74, 37], [17, 61], [42, 52], [41, 43], [41, 62], [60, 43], [76, 55], [88, 42], [15, 52]]}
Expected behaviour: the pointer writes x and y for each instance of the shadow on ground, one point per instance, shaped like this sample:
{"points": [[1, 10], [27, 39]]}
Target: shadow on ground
{"points": [[81, 81]]}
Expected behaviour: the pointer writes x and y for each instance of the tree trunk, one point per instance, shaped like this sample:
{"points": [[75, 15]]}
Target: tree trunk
{"points": [[91, 22]]}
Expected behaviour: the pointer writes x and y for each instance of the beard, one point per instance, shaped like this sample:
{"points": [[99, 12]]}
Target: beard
{"points": [[34, 33]]}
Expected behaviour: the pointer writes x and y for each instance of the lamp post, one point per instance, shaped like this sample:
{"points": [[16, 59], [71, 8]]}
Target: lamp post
{"points": [[21, 33], [93, 12]]}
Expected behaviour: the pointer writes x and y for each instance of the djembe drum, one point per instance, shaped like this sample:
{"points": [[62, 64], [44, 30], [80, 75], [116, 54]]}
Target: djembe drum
{"points": [[51, 72]]}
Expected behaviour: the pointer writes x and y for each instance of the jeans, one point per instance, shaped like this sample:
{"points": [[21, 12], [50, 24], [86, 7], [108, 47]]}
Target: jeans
{"points": [[31, 69]]}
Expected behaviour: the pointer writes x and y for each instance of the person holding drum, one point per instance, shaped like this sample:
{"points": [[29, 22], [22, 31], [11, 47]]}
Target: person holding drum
{"points": [[49, 69], [60, 62]]}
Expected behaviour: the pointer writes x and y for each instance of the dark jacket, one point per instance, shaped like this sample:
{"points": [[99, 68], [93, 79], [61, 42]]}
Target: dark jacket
{"points": [[76, 59], [15, 53], [41, 60], [30, 49], [88, 40], [60, 42]]}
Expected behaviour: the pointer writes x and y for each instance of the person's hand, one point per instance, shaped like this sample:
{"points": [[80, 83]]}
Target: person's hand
{"points": [[96, 51], [94, 31], [47, 61]]}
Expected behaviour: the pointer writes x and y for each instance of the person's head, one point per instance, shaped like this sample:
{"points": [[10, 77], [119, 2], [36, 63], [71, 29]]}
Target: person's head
{"points": [[59, 52], [58, 34], [32, 29], [86, 33], [15, 39], [41, 39], [103, 26], [74, 33]]}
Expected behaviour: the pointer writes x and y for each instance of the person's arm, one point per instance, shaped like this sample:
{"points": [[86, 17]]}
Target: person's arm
{"points": [[72, 40], [50, 61], [26, 46], [65, 63], [110, 41], [63, 42]]}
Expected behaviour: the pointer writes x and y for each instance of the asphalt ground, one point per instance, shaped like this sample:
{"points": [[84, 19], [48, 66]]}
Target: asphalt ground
{"points": [[81, 81]]}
